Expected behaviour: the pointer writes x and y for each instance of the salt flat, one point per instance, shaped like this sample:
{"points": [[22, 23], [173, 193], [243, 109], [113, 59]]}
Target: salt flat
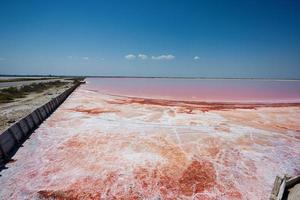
{"points": [[102, 146]]}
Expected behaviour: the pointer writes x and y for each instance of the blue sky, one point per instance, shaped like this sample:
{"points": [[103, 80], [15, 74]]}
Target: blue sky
{"points": [[151, 38]]}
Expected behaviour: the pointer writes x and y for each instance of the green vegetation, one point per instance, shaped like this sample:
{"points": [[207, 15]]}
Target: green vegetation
{"points": [[11, 93]]}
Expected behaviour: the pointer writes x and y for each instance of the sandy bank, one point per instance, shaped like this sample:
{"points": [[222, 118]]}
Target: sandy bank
{"points": [[13, 111]]}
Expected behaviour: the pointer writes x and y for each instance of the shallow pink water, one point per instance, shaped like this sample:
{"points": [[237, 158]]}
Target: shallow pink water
{"points": [[102, 146], [201, 89]]}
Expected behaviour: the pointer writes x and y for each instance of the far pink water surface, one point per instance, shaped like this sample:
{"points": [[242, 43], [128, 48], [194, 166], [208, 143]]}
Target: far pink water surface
{"points": [[210, 90]]}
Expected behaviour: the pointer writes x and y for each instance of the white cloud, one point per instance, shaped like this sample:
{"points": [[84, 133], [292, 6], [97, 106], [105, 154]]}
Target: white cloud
{"points": [[69, 57], [164, 57], [85, 58], [130, 57], [196, 58], [99, 59], [143, 56], [1, 59]]}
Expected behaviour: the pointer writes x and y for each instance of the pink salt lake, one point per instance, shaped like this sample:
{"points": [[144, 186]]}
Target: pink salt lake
{"points": [[161, 139], [209, 90]]}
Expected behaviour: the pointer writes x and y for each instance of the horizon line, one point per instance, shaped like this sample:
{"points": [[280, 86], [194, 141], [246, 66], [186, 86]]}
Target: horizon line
{"points": [[171, 77]]}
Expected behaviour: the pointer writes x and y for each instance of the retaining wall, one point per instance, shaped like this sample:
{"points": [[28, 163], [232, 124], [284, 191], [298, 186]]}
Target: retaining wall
{"points": [[12, 138]]}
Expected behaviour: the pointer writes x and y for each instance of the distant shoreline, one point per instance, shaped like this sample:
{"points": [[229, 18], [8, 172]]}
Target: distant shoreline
{"points": [[165, 77]]}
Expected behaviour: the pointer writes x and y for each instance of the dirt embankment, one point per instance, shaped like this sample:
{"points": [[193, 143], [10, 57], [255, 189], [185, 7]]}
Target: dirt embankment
{"points": [[20, 107]]}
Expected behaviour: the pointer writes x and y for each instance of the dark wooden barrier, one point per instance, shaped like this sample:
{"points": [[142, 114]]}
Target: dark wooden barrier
{"points": [[12, 138]]}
